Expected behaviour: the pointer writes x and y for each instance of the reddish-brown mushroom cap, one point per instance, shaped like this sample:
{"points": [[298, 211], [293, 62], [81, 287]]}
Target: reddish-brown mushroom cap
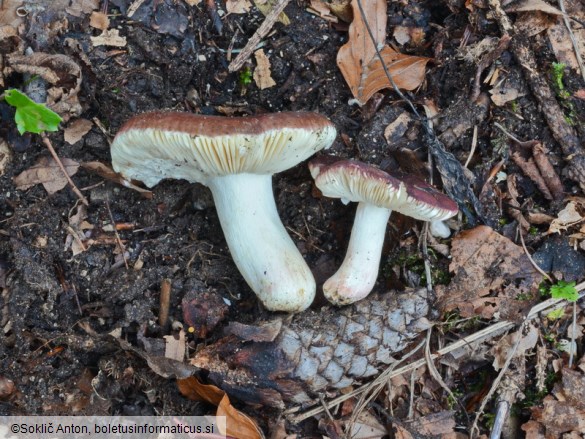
{"points": [[356, 181]]}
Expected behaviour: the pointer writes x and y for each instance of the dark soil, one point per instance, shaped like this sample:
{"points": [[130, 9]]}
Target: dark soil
{"points": [[57, 311]]}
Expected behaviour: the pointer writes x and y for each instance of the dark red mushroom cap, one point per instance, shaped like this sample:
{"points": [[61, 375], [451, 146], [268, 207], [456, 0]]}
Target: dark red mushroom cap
{"points": [[352, 180]]}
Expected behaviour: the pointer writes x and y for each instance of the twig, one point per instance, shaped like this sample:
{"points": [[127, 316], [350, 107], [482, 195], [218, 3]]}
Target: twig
{"points": [[496, 383], [473, 146], [486, 333], [573, 335], [165, 300], [573, 39], [260, 33], [118, 240], [532, 261], [49, 146]]}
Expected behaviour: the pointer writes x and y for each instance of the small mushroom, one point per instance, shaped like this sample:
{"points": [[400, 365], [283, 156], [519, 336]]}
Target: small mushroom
{"points": [[235, 158], [378, 194]]}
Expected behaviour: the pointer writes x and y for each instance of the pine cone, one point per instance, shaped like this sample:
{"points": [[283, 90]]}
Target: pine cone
{"points": [[290, 360]]}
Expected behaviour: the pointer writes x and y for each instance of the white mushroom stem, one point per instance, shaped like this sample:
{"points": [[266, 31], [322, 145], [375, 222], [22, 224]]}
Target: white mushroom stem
{"points": [[263, 251], [439, 229], [358, 273]]}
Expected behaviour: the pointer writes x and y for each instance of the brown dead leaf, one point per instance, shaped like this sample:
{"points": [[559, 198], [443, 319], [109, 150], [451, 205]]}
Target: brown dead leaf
{"points": [[109, 37], [76, 130], [193, 389], [322, 9], [533, 23], [501, 350], [108, 173], [532, 6], [502, 94], [76, 239], [9, 15], [560, 39], [566, 218], [47, 173], [262, 76], [490, 273], [238, 424], [237, 6], [175, 348], [366, 426], [360, 65], [99, 20]]}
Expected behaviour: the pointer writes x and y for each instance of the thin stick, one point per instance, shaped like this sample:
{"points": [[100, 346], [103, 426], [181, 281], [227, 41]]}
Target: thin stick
{"points": [[165, 300], [573, 39], [260, 33], [473, 146], [118, 240], [532, 261], [49, 146], [496, 383], [573, 335]]}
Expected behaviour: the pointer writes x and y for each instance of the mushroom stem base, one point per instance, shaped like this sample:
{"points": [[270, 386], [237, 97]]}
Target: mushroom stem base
{"points": [[263, 251], [357, 275]]}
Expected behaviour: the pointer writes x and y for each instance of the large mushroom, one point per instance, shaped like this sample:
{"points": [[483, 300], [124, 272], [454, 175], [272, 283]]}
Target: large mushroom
{"points": [[235, 158], [378, 194]]}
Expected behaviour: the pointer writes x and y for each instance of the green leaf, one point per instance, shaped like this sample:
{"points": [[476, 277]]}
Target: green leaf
{"points": [[564, 290], [31, 117], [556, 314]]}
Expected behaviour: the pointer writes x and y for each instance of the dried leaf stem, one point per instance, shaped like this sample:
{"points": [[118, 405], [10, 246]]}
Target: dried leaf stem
{"points": [[49, 146]]}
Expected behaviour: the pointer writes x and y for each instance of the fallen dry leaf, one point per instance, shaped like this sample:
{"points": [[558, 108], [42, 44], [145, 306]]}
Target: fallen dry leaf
{"points": [[566, 218], [99, 20], [76, 130], [238, 424], [491, 274], [560, 39], [360, 65], [502, 94], [501, 350], [47, 173], [261, 75], [8, 15], [76, 240], [532, 6], [237, 6], [322, 9], [366, 426], [109, 37]]}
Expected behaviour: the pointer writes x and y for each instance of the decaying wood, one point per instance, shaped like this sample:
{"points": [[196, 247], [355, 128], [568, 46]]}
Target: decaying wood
{"points": [[553, 114], [260, 33], [315, 351]]}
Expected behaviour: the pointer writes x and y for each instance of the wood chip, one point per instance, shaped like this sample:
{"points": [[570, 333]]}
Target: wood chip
{"points": [[109, 38], [262, 73]]}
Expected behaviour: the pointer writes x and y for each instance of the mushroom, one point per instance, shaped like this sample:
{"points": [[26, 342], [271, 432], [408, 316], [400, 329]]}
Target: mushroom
{"points": [[378, 194], [235, 158]]}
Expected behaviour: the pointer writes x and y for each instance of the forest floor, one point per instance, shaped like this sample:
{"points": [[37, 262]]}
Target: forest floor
{"points": [[104, 306]]}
